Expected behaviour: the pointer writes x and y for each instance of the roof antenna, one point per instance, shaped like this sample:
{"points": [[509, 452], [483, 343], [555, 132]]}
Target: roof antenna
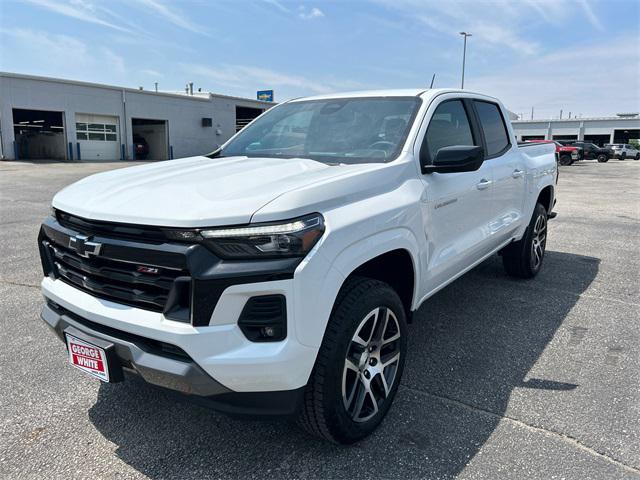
{"points": [[433, 79]]}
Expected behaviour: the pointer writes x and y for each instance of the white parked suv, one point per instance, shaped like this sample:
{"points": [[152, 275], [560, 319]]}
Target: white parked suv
{"points": [[623, 151], [277, 275]]}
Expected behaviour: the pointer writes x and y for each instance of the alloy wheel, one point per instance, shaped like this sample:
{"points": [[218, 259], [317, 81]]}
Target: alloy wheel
{"points": [[371, 364], [539, 241]]}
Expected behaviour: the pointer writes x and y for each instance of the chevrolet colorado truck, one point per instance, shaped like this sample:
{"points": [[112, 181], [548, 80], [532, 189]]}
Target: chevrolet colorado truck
{"points": [[277, 275]]}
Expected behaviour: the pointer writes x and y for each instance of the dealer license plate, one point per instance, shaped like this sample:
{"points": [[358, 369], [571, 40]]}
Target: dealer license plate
{"points": [[88, 358]]}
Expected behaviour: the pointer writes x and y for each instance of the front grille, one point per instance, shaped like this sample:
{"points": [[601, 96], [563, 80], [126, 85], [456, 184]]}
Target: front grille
{"points": [[117, 280], [109, 229], [187, 286]]}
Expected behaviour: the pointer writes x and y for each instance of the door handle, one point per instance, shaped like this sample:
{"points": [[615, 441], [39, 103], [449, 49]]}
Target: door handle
{"points": [[517, 173], [483, 184]]}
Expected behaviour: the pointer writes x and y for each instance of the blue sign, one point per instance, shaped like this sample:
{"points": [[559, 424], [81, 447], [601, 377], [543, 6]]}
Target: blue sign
{"points": [[265, 95]]}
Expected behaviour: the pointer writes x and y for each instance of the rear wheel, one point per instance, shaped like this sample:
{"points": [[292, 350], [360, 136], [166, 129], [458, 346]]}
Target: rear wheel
{"points": [[524, 258], [602, 158], [359, 365], [565, 160]]}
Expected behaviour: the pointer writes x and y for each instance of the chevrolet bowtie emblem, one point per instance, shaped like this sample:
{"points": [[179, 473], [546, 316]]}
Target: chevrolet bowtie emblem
{"points": [[83, 247]]}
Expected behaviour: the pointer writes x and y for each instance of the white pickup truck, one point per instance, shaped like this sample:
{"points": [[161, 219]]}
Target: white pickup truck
{"points": [[277, 275]]}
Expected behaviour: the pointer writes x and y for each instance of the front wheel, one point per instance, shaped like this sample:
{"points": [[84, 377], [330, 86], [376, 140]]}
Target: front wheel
{"points": [[637, 157], [623, 156], [602, 158], [524, 258], [359, 365]]}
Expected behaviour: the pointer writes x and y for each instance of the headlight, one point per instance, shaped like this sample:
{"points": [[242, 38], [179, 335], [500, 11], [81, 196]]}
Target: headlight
{"points": [[292, 238]]}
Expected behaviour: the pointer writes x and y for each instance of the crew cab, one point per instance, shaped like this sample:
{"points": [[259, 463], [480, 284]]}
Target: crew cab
{"points": [[277, 275]]}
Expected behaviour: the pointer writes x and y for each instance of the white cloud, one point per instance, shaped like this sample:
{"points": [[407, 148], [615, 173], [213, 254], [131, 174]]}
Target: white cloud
{"points": [[79, 10], [172, 15], [151, 72], [278, 5], [34, 51], [115, 60], [305, 14], [495, 23], [566, 80], [591, 16], [246, 78], [96, 12]]}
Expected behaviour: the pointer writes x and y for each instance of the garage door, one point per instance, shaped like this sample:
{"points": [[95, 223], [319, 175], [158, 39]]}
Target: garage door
{"points": [[39, 134], [98, 137]]}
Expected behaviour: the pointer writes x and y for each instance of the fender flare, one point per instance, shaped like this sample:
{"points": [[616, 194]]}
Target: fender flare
{"points": [[346, 262]]}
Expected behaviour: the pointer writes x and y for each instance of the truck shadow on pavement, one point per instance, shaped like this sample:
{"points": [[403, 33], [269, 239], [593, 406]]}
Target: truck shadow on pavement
{"points": [[470, 347]]}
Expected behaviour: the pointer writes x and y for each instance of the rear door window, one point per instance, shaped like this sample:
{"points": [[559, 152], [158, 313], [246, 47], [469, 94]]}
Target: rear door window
{"points": [[493, 126]]}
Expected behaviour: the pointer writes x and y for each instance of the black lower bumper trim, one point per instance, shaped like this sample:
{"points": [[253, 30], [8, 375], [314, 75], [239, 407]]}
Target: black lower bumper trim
{"points": [[154, 366], [172, 369], [254, 404]]}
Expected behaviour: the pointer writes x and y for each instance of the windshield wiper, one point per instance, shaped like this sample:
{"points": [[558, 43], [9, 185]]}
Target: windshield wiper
{"points": [[215, 154]]}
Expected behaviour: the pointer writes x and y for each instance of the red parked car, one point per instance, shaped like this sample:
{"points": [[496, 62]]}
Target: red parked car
{"points": [[565, 154]]}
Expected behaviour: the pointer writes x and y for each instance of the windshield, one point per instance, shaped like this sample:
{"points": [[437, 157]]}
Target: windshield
{"points": [[349, 130]]}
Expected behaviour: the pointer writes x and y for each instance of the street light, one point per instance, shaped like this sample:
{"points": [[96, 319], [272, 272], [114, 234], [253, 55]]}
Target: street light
{"points": [[464, 54]]}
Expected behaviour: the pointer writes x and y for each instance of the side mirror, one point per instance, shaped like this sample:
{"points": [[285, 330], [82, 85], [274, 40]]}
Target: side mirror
{"points": [[457, 158]]}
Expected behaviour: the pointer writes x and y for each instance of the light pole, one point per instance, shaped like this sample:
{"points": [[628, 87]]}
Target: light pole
{"points": [[464, 54]]}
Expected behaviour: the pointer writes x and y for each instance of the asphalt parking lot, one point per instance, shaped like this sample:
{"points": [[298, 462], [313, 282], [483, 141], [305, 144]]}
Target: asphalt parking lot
{"points": [[504, 379]]}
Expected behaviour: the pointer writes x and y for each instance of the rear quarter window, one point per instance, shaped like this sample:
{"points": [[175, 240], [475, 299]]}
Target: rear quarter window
{"points": [[493, 126]]}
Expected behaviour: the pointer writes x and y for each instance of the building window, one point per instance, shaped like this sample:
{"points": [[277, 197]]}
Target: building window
{"points": [[97, 131]]}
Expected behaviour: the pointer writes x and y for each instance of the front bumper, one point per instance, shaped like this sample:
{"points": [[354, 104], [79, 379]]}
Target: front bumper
{"points": [[158, 363], [168, 366], [220, 349]]}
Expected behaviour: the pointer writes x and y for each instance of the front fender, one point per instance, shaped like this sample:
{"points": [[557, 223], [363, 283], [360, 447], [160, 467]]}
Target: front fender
{"points": [[320, 294]]}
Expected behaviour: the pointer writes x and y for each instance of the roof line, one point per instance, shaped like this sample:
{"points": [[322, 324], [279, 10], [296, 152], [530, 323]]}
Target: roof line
{"points": [[547, 120], [127, 89]]}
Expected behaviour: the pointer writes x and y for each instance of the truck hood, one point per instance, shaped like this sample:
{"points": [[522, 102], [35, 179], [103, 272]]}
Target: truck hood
{"points": [[192, 192]]}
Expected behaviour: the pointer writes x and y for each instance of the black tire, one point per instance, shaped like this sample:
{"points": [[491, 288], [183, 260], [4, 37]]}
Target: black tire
{"points": [[565, 160], [523, 258], [623, 156], [637, 157], [602, 158], [325, 411]]}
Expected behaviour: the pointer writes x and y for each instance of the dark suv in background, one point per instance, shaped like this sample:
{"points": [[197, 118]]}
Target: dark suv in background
{"points": [[590, 151]]}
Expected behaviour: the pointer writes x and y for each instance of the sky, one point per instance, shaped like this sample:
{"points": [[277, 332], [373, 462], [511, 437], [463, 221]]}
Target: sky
{"points": [[581, 56]]}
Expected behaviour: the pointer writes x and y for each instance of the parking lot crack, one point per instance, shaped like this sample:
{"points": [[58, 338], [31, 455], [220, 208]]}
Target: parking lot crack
{"points": [[545, 431], [18, 284]]}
